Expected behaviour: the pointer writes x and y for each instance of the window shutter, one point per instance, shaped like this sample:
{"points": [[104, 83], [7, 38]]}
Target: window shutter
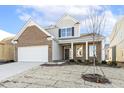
{"points": [[59, 32], [72, 31]]}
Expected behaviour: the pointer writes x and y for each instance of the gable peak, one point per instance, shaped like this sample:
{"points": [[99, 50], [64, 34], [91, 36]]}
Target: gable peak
{"points": [[69, 16]]}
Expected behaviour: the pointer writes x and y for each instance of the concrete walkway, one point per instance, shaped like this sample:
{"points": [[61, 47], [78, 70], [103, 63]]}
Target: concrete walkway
{"points": [[10, 69]]}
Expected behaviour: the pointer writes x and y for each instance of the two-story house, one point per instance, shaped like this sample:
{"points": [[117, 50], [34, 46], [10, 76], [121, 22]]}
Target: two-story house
{"points": [[116, 50], [61, 41]]}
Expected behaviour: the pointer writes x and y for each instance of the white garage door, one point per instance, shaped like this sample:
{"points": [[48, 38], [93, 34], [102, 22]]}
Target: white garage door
{"points": [[33, 54]]}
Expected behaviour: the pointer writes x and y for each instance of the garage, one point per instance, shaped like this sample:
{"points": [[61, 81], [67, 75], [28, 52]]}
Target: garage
{"points": [[33, 54]]}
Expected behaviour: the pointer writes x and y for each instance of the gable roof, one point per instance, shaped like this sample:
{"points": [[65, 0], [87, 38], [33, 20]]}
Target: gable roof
{"points": [[29, 23], [116, 28], [67, 15]]}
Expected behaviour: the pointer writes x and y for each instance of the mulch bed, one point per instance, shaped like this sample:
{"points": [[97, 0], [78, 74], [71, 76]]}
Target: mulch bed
{"points": [[76, 63], [62, 64], [49, 65], [97, 78]]}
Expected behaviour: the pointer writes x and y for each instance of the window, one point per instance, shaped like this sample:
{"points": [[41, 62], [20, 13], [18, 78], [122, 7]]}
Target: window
{"points": [[79, 50], [69, 31], [66, 32], [92, 49], [63, 33]]}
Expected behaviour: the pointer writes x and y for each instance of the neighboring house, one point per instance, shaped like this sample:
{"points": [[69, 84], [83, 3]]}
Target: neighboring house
{"points": [[61, 41], [106, 52], [116, 51], [6, 50]]}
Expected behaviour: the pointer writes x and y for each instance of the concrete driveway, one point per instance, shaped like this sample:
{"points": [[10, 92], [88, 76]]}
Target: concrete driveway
{"points": [[10, 69]]}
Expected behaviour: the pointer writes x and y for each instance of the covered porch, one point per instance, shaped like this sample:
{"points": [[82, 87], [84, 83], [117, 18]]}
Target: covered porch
{"points": [[80, 51], [82, 47]]}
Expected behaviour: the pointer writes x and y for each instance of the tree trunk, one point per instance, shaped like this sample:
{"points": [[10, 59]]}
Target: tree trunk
{"points": [[94, 63]]}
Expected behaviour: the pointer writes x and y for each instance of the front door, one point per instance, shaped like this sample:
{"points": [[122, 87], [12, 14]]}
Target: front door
{"points": [[66, 54]]}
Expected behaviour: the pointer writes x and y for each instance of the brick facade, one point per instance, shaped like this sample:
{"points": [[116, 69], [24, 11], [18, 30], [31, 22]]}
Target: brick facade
{"points": [[33, 36]]}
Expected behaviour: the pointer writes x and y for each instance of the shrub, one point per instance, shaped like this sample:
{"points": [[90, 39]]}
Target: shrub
{"points": [[109, 62], [104, 62], [112, 63], [97, 62], [71, 60], [10, 61], [77, 62], [80, 61], [87, 62]]}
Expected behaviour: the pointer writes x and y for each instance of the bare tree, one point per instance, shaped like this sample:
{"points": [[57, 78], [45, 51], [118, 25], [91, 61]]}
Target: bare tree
{"points": [[95, 23]]}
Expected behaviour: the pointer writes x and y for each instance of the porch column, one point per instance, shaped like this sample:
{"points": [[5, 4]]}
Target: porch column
{"points": [[71, 50], [86, 50]]}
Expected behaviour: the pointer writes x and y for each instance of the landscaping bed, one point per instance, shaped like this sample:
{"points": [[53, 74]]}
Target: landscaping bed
{"points": [[97, 78], [79, 62], [67, 62]]}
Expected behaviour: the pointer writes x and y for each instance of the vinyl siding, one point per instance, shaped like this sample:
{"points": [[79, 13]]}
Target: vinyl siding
{"points": [[117, 40], [66, 22], [56, 51]]}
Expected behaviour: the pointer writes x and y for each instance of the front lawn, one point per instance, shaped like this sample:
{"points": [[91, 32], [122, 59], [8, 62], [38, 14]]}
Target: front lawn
{"points": [[66, 76]]}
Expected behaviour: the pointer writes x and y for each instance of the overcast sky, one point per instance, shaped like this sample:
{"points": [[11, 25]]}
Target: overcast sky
{"points": [[12, 18]]}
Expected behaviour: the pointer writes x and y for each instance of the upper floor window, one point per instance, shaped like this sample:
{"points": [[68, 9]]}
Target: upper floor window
{"points": [[66, 32]]}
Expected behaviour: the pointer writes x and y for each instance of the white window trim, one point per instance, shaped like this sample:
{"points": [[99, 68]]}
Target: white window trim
{"points": [[92, 51], [66, 28]]}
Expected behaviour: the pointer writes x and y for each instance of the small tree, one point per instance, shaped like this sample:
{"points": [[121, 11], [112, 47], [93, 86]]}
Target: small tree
{"points": [[95, 23]]}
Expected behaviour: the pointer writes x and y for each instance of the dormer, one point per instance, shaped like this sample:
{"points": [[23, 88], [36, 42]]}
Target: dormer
{"points": [[68, 27]]}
